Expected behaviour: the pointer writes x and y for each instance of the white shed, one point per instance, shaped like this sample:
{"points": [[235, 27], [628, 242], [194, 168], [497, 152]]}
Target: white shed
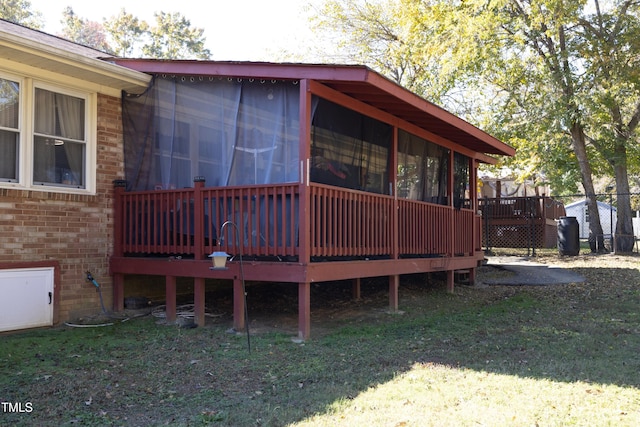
{"points": [[636, 225], [581, 212]]}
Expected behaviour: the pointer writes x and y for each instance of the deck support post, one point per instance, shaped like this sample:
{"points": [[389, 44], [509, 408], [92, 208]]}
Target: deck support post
{"points": [[394, 286], [450, 281], [198, 301], [355, 288], [238, 305], [472, 276], [170, 298], [118, 292], [304, 310]]}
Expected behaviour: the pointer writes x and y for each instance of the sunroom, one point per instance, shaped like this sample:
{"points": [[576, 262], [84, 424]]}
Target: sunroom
{"points": [[317, 172]]}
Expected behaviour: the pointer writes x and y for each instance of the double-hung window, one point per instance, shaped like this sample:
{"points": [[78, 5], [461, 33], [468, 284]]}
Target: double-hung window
{"points": [[9, 129], [44, 136], [59, 139]]}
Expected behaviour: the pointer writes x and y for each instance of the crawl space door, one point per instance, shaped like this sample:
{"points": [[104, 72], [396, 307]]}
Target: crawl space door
{"points": [[26, 298]]}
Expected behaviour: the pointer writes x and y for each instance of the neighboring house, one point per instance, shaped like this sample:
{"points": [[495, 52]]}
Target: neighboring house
{"points": [[608, 217], [60, 150], [329, 172], [508, 187]]}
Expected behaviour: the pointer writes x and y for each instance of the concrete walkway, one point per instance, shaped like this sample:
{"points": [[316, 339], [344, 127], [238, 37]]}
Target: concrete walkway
{"points": [[530, 273]]}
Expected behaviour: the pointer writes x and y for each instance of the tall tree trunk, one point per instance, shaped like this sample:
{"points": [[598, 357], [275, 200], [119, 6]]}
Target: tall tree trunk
{"points": [[596, 237], [624, 238]]}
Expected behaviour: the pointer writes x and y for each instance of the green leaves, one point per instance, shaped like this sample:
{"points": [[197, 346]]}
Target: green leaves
{"points": [[170, 37], [84, 32], [173, 38], [19, 12], [126, 32]]}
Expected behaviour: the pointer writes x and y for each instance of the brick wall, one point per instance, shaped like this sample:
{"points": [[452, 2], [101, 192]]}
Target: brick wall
{"points": [[75, 230]]}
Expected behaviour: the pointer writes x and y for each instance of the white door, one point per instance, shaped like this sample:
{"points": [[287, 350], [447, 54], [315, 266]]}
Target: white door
{"points": [[26, 298]]}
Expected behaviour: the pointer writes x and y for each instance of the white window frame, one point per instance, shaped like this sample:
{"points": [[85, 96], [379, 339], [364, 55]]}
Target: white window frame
{"points": [[26, 128], [20, 128]]}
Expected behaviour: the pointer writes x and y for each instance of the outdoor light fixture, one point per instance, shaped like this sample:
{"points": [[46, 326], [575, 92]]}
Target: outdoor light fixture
{"points": [[219, 259]]}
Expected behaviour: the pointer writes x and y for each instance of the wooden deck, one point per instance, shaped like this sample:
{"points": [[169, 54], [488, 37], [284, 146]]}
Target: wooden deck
{"points": [[343, 234], [520, 222]]}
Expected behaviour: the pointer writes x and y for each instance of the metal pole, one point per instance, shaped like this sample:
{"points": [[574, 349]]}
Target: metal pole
{"points": [[244, 290], [613, 248], [486, 213]]}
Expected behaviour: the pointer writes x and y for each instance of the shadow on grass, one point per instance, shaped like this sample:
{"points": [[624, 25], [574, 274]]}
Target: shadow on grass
{"points": [[142, 373]]}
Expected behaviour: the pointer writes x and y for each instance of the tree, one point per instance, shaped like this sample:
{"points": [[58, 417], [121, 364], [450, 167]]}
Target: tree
{"points": [[173, 38], [559, 79], [125, 31], [19, 12], [610, 45], [83, 31], [374, 33]]}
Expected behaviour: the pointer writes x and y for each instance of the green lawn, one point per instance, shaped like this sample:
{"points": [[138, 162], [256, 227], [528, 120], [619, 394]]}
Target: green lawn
{"points": [[484, 356]]}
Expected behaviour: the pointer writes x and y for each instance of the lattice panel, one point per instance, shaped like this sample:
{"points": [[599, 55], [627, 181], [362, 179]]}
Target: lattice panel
{"points": [[519, 236]]}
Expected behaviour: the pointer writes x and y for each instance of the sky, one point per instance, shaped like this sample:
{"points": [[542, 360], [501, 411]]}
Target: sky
{"points": [[238, 30]]}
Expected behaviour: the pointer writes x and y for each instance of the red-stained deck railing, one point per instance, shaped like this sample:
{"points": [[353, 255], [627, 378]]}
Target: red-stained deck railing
{"points": [[266, 218], [350, 223], [189, 221], [538, 207], [343, 223], [424, 228]]}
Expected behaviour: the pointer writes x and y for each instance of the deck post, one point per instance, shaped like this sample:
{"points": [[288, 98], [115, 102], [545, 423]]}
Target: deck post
{"points": [[355, 288], [119, 187], [170, 298], [198, 301], [304, 205], [394, 286], [304, 310], [238, 305], [450, 281], [472, 276], [118, 292], [198, 217]]}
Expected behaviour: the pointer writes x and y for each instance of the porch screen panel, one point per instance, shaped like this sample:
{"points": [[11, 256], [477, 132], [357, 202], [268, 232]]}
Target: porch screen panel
{"points": [[349, 149], [461, 196], [231, 131], [422, 169]]}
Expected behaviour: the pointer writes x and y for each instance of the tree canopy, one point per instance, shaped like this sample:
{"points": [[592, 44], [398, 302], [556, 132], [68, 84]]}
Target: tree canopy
{"points": [[556, 79], [170, 37], [20, 12], [83, 31], [126, 32]]}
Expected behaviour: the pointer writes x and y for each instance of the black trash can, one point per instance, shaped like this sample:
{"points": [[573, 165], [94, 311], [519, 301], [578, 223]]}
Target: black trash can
{"points": [[568, 235]]}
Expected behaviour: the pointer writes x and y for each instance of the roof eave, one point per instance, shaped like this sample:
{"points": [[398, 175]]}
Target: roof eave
{"points": [[77, 65], [266, 70], [494, 145]]}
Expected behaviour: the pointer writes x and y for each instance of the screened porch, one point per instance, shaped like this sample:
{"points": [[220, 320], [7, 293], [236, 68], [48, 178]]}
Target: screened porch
{"points": [[326, 172]]}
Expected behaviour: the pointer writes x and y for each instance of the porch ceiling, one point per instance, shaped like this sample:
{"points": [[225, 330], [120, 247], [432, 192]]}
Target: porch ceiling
{"points": [[356, 81], [423, 114]]}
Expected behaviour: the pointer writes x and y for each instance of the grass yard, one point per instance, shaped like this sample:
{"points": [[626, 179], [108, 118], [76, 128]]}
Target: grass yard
{"points": [[484, 356]]}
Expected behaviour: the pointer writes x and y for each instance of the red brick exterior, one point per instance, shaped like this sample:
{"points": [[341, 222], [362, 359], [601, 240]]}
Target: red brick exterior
{"points": [[74, 230]]}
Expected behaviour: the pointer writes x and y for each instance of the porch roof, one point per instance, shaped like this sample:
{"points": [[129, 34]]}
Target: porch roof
{"points": [[356, 81]]}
